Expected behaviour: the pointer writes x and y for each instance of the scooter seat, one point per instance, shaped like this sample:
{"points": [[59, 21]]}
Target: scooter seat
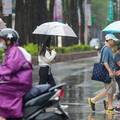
{"points": [[36, 91]]}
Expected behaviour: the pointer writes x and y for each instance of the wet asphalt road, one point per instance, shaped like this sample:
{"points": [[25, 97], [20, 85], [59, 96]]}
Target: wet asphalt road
{"points": [[79, 86]]}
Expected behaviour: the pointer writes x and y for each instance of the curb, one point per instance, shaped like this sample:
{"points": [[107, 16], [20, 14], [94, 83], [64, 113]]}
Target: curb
{"points": [[68, 57]]}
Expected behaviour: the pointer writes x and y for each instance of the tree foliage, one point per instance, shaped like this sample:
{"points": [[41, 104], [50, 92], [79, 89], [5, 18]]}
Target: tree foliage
{"points": [[29, 15], [70, 16], [82, 29], [100, 12]]}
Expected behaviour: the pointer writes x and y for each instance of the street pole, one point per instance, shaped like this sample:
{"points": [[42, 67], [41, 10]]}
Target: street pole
{"points": [[118, 8], [86, 27], [0, 8]]}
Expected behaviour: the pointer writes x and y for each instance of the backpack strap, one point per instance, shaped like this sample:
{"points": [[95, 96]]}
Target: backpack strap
{"points": [[102, 52]]}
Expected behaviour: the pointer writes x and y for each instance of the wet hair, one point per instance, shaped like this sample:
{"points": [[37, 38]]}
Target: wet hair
{"points": [[45, 46]]}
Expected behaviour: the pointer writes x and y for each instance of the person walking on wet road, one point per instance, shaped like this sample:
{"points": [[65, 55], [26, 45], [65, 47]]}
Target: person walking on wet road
{"points": [[45, 58], [110, 88]]}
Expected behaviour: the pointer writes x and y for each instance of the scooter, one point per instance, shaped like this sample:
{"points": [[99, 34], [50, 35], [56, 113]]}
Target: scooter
{"points": [[39, 99]]}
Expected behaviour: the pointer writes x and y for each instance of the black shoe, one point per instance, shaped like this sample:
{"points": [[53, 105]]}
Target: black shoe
{"points": [[117, 96], [117, 110], [91, 104], [105, 106]]}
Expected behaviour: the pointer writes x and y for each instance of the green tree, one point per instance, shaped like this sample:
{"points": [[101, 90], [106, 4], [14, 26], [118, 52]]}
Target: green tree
{"points": [[66, 11], [82, 29], [100, 12], [19, 20], [74, 18], [29, 14], [70, 16]]}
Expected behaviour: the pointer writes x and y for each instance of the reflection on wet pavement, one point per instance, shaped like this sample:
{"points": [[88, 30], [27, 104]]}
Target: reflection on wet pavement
{"points": [[105, 116], [77, 75]]}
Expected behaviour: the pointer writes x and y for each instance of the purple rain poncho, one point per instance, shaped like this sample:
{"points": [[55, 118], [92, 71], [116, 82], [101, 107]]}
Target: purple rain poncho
{"points": [[16, 80]]}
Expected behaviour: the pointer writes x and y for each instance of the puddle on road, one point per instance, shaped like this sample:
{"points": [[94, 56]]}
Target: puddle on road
{"points": [[73, 80]]}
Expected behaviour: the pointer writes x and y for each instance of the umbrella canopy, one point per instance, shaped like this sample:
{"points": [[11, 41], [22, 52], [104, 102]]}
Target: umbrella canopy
{"points": [[2, 24], [113, 27], [55, 29]]}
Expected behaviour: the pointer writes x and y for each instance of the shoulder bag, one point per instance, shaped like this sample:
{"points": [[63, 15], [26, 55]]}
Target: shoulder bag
{"points": [[100, 72]]}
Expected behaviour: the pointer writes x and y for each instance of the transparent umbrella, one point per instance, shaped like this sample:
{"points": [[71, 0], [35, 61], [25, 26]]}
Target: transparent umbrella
{"points": [[55, 29], [2, 24]]}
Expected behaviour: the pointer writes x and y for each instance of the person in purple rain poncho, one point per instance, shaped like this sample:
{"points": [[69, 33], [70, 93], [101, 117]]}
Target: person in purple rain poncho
{"points": [[15, 75]]}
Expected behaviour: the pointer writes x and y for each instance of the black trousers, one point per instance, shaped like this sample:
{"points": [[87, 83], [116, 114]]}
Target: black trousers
{"points": [[117, 96], [118, 81], [46, 76]]}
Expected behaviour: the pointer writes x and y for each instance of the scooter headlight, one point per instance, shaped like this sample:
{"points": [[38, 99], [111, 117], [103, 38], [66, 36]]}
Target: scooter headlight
{"points": [[96, 47]]}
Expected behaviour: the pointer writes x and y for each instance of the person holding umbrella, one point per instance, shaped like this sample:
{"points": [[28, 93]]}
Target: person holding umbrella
{"points": [[45, 58], [46, 55]]}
